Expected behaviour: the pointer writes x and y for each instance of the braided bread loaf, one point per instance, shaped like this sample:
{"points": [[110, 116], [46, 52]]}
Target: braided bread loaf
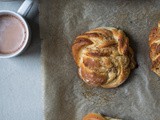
{"points": [[94, 116], [103, 56], [154, 43]]}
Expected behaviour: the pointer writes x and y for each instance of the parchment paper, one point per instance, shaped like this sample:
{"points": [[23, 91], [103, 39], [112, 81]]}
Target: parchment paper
{"points": [[66, 97]]}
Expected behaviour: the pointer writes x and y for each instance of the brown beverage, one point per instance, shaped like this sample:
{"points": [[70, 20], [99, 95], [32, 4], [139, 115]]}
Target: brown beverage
{"points": [[12, 34]]}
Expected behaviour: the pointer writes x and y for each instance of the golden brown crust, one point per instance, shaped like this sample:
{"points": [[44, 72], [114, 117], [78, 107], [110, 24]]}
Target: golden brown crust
{"points": [[154, 43], [103, 56]]}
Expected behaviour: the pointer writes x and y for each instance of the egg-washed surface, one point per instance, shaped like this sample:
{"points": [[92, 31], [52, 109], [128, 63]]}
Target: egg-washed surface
{"points": [[66, 96]]}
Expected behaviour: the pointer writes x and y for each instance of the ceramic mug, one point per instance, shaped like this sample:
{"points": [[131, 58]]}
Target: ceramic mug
{"points": [[20, 14]]}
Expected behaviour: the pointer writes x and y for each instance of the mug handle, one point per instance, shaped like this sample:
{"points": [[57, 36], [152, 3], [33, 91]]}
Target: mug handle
{"points": [[25, 7]]}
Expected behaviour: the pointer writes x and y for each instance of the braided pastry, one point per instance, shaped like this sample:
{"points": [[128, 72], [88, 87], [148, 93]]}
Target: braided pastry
{"points": [[154, 43], [94, 116], [103, 56]]}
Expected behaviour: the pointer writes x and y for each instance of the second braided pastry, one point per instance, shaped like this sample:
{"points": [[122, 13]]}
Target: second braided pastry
{"points": [[154, 44]]}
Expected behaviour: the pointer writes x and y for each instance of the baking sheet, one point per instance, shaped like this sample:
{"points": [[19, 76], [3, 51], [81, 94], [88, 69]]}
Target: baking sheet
{"points": [[66, 97]]}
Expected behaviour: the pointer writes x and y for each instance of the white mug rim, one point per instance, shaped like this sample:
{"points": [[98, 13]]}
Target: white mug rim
{"points": [[27, 38]]}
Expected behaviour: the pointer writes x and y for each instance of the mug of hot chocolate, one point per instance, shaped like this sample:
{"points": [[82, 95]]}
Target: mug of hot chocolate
{"points": [[14, 31]]}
